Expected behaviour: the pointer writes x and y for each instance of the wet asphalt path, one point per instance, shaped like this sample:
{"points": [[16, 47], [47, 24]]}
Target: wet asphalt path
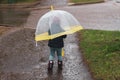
{"points": [[102, 16], [20, 59]]}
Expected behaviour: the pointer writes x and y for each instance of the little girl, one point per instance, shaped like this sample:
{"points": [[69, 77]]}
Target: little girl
{"points": [[56, 45]]}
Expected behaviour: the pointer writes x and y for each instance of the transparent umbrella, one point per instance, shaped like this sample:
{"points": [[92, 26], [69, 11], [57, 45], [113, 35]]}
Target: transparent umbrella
{"points": [[56, 23]]}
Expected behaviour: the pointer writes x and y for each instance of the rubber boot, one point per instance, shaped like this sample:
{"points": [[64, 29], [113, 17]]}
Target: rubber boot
{"points": [[50, 65], [60, 64]]}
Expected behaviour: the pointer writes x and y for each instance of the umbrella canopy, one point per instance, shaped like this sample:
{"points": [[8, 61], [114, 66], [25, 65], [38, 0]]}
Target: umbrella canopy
{"points": [[56, 23]]}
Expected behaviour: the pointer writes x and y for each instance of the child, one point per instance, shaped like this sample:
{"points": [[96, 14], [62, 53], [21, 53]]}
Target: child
{"points": [[56, 45]]}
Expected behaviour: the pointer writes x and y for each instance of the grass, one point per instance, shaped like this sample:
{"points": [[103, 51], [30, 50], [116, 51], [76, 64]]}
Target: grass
{"points": [[85, 1], [101, 50]]}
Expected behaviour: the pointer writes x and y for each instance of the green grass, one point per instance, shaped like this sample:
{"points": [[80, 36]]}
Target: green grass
{"points": [[101, 49], [85, 1]]}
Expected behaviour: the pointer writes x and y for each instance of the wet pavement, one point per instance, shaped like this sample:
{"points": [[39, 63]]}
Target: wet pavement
{"points": [[52, 2], [20, 59], [101, 16]]}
